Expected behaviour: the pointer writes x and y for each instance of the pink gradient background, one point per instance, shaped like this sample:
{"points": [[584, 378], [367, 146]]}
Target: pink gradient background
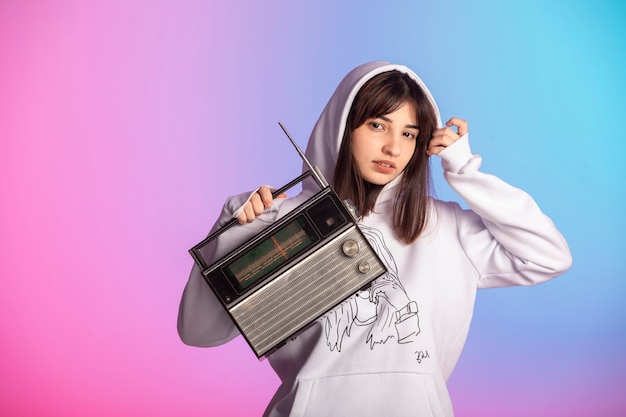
{"points": [[125, 124]]}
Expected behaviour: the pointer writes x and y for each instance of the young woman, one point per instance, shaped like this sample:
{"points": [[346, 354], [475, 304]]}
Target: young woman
{"points": [[389, 349]]}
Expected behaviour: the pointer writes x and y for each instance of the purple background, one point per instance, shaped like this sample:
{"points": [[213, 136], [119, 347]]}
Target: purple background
{"points": [[125, 124]]}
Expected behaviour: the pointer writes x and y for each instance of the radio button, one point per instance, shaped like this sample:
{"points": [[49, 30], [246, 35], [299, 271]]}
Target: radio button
{"points": [[350, 248]]}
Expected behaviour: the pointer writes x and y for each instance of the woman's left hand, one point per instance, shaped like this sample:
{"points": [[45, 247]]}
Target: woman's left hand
{"points": [[446, 136]]}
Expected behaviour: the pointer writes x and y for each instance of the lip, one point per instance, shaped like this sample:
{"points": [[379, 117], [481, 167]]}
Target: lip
{"points": [[384, 166]]}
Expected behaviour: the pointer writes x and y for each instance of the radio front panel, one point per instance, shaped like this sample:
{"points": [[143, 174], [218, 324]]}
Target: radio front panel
{"points": [[309, 289]]}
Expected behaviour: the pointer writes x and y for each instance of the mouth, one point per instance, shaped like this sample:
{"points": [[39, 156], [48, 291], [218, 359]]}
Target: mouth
{"points": [[385, 167], [385, 164]]}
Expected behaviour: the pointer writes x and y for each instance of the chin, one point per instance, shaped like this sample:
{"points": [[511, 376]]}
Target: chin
{"points": [[378, 181]]}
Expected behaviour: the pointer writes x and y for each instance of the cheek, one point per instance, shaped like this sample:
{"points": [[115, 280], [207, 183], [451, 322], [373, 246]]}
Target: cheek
{"points": [[359, 149], [409, 149], [408, 154]]}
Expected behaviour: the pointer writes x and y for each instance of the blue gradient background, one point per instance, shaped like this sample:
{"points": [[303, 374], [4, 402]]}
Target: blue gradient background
{"points": [[125, 124]]}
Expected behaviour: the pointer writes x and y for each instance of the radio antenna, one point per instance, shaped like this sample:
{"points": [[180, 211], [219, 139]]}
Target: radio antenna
{"points": [[315, 173]]}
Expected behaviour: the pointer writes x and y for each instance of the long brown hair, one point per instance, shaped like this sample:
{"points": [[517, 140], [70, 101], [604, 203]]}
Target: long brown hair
{"points": [[381, 95]]}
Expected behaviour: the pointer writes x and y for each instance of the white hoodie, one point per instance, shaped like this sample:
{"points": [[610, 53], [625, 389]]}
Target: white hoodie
{"points": [[389, 351]]}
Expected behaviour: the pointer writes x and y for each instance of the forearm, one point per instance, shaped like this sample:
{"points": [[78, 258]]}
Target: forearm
{"points": [[202, 320]]}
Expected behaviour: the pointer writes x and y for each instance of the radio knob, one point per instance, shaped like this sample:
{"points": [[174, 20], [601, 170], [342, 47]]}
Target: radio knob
{"points": [[350, 248], [364, 267]]}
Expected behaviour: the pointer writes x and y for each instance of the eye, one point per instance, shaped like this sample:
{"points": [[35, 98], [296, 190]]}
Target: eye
{"points": [[409, 135], [376, 125]]}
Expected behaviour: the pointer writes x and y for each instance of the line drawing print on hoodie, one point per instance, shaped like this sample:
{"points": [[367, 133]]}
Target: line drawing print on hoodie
{"points": [[373, 307], [390, 348]]}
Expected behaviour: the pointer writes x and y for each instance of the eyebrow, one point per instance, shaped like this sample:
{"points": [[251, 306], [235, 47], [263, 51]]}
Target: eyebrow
{"points": [[388, 120]]}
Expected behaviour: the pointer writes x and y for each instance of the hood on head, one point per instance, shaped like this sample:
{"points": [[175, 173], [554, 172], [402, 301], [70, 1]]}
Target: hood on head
{"points": [[325, 140]]}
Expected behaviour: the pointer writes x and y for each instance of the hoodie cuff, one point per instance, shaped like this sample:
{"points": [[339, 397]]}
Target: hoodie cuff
{"points": [[457, 155]]}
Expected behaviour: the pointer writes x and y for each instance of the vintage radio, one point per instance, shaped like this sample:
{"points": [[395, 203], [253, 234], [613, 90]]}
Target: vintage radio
{"points": [[278, 282]]}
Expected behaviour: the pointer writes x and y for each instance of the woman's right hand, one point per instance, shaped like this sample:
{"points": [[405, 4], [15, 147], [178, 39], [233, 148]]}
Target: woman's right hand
{"points": [[257, 204]]}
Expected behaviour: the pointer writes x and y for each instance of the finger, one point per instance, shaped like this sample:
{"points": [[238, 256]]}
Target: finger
{"points": [[444, 139], [435, 150], [257, 204], [433, 146], [439, 143], [445, 132], [246, 215], [266, 196], [459, 123]]}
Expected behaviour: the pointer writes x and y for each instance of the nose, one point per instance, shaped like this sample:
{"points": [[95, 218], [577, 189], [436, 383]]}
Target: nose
{"points": [[391, 147]]}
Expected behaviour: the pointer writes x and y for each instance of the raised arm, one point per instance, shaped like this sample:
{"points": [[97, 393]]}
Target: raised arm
{"points": [[507, 237]]}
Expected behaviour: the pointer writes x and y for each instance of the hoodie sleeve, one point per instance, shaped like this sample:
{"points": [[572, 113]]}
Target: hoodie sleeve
{"points": [[505, 235], [202, 320]]}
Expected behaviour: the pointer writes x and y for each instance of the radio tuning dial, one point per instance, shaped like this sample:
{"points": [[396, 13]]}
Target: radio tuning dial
{"points": [[364, 267], [350, 248]]}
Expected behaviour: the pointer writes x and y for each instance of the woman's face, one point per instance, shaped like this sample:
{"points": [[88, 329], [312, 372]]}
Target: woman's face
{"points": [[382, 147]]}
